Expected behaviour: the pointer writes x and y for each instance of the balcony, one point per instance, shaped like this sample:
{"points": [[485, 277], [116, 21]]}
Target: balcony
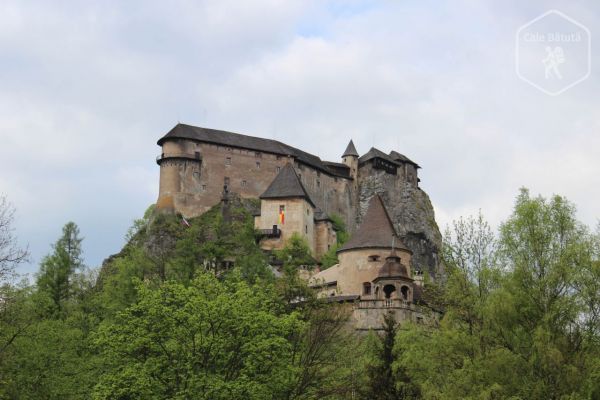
{"points": [[178, 156], [385, 303], [269, 233]]}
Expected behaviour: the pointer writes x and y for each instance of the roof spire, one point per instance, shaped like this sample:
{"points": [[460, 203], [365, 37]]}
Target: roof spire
{"points": [[350, 150]]}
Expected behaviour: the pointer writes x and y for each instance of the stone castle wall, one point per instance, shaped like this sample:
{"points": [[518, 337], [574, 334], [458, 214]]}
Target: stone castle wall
{"points": [[195, 187]]}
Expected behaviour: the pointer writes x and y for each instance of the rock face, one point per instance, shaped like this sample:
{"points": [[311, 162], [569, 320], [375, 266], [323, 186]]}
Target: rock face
{"points": [[412, 213]]}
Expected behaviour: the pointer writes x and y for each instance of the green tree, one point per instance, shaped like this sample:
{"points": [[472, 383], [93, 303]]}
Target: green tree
{"points": [[57, 270], [519, 312], [386, 380], [209, 340]]}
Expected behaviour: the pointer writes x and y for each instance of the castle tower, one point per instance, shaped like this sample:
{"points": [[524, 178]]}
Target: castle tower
{"points": [[286, 207], [179, 170], [350, 158]]}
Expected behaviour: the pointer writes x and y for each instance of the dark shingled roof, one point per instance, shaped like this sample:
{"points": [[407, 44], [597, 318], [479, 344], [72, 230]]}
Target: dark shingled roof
{"points": [[402, 158], [224, 138], [286, 185], [376, 153], [350, 150], [376, 230]]}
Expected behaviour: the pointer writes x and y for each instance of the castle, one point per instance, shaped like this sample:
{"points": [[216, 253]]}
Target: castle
{"points": [[393, 235]]}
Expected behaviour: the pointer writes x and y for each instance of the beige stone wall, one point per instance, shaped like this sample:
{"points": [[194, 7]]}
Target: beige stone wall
{"points": [[193, 191], [334, 195], [325, 238], [355, 269], [365, 318], [299, 218]]}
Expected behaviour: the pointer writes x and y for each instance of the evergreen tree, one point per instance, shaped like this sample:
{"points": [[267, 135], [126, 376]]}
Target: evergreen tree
{"points": [[386, 381], [57, 270]]}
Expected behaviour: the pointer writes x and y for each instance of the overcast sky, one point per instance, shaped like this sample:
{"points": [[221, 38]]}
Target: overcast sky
{"points": [[86, 89]]}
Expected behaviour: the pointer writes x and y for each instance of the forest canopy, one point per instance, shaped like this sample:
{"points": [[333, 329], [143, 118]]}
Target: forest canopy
{"points": [[197, 311]]}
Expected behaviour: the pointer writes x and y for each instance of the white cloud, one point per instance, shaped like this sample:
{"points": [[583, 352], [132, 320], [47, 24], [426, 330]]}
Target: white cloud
{"points": [[88, 88]]}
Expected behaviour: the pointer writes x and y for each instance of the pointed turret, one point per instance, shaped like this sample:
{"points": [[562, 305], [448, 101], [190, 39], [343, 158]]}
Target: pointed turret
{"points": [[286, 185], [350, 158], [376, 230], [350, 150]]}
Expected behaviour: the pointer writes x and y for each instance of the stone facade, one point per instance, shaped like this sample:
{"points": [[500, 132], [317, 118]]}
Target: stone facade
{"points": [[196, 163]]}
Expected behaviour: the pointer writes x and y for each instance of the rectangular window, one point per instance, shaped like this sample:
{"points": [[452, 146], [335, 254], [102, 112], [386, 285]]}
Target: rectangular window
{"points": [[243, 183], [277, 169], [258, 165], [203, 187], [228, 161], [306, 229], [197, 155], [318, 183]]}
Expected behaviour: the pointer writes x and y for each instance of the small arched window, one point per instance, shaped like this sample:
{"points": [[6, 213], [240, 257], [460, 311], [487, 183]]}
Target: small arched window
{"points": [[405, 291], [367, 288]]}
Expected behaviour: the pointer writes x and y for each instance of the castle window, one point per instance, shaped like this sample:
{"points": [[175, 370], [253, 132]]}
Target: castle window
{"points": [[306, 229], [318, 183], [367, 288], [226, 180], [257, 165], [277, 169], [228, 161], [203, 187], [243, 183], [404, 290], [197, 155], [374, 258], [196, 174]]}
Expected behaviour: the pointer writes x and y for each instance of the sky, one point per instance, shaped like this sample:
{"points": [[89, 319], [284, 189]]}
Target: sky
{"points": [[87, 88]]}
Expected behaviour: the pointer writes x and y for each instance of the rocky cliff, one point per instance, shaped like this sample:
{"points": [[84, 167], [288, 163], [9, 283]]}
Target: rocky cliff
{"points": [[412, 213]]}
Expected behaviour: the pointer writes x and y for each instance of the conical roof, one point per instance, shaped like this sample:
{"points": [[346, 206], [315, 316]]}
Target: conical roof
{"points": [[286, 185], [350, 150], [376, 230]]}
